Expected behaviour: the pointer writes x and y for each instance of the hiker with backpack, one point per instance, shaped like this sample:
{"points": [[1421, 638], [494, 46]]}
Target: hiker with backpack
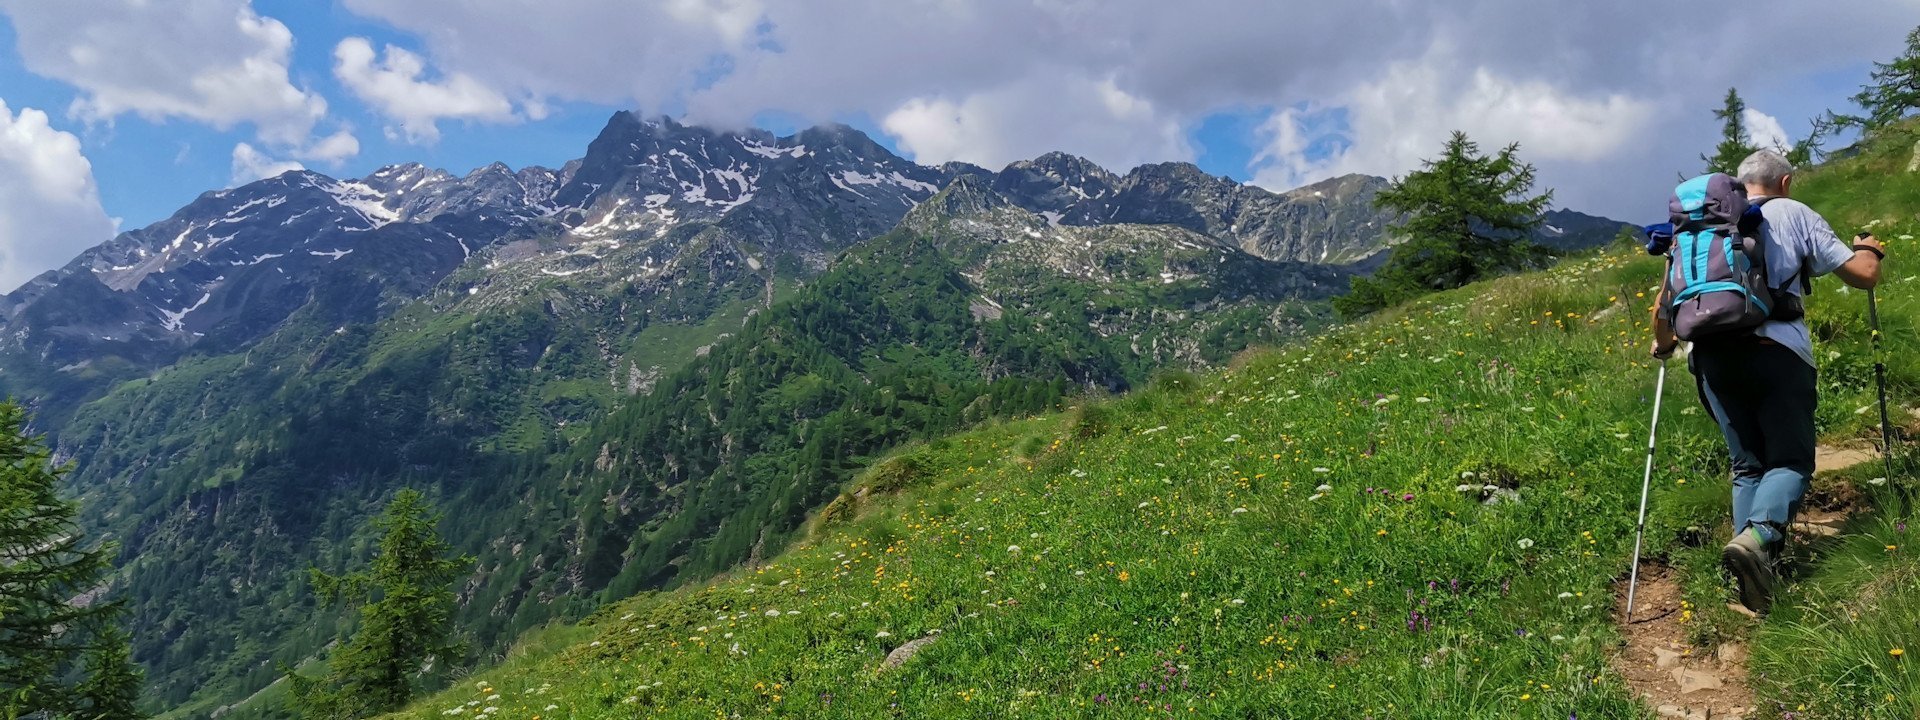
{"points": [[1741, 261]]}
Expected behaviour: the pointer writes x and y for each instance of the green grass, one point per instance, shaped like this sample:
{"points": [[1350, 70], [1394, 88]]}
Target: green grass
{"points": [[1303, 536], [1176, 538]]}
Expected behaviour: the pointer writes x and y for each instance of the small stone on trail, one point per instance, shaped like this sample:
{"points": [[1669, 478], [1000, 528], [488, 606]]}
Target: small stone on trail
{"points": [[1732, 653], [1665, 658], [1695, 680], [1742, 609]]}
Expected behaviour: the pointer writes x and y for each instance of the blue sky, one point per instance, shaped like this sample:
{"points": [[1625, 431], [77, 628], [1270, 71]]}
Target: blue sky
{"points": [[1276, 94]]}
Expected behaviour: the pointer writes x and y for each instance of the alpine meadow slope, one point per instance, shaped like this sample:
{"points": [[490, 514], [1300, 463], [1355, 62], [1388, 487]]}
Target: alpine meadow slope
{"points": [[1419, 515], [624, 375]]}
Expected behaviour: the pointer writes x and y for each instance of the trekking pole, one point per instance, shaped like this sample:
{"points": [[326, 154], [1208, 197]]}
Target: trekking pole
{"points": [[1646, 486], [1880, 379]]}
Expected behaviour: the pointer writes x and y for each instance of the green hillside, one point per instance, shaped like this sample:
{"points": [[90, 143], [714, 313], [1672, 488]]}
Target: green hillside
{"points": [[1421, 515]]}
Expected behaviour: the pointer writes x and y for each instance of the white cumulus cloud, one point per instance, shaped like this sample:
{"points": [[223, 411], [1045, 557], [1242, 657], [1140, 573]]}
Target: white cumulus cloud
{"points": [[1000, 125], [49, 205], [1764, 130], [1602, 101], [395, 85], [1406, 114], [250, 164], [212, 61]]}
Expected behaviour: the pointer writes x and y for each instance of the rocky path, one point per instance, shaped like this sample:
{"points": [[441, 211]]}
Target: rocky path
{"points": [[1678, 679]]}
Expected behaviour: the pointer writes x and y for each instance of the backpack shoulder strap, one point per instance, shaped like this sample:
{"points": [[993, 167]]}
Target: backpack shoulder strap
{"points": [[1750, 224], [1748, 228]]}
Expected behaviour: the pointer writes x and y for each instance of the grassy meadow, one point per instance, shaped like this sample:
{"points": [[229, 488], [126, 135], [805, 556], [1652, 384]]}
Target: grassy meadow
{"points": [[1416, 516]]}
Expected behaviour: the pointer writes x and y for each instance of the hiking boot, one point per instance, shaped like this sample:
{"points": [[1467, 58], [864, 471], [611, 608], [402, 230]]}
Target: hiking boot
{"points": [[1751, 563]]}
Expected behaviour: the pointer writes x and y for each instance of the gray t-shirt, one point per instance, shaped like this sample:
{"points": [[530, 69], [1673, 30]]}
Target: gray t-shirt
{"points": [[1795, 233]]}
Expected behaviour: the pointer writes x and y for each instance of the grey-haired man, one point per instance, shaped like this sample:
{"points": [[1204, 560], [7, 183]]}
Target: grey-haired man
{"points": [[1760, 385]]}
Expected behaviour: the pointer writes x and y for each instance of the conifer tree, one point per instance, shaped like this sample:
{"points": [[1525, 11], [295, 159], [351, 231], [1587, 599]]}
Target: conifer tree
{"points": [[405, 602], [1734, 145], [1466, 217], [111, 687], [1892, 92], [45, 568]]}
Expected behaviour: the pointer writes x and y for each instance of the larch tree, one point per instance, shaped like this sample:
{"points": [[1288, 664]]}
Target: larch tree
{"points": [[1465, 216]]}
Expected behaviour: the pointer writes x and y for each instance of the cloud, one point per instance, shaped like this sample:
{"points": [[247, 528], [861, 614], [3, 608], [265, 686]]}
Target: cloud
{"points": [[393, 85], [1407, 113], [1764, 130], [249, 164], [1593, 90], [998, 126], [212, 61], [615, 52], [332, 149], [49, 205]]}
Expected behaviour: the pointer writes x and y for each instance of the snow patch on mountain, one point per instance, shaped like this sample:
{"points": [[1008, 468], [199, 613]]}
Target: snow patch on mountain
{"points": [[363, 199], [772, 151], [174, 320]]}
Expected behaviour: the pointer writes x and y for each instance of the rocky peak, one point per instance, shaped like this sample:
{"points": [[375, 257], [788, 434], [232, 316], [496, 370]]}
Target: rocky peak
{"points": [[1344, 188]]}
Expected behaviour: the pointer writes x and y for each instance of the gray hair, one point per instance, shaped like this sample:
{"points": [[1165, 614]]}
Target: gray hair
{"points": [[1764, 168]]}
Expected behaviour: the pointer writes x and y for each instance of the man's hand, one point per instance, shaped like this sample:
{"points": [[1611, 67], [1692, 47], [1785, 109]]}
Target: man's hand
{"points": [[1863, 271], [1867, 240], [1662, 352]]}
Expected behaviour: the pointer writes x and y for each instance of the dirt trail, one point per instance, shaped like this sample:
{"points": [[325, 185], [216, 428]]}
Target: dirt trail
{"points": [[1679, 680], [1675, 678]]}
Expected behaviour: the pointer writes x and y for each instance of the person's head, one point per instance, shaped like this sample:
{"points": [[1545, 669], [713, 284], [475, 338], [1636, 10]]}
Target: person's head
{"points": [[1766, 173]]}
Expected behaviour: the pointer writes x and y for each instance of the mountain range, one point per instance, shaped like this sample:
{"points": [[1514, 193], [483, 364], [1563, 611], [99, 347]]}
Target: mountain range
{"points": [[640, 369]]}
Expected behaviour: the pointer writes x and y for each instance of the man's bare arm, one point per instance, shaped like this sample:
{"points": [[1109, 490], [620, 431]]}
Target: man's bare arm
{"points": [[1863, 271], [1664, 341]]}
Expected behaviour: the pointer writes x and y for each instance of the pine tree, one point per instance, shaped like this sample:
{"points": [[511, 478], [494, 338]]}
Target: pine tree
{"points": [[112, 684], [401, 631], [44, 567], [1892, 93], [1467, 217], [1807, 151], [1734, 145]]}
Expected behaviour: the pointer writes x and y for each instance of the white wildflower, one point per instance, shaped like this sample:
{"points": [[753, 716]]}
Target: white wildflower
{"points": [[1423, 399], [1876, 482], [1238, 601], [883, 634], [1323, 470], [1565, 595], [772, 612], [1525, 543], [1015, 549], [1239, 510]]}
